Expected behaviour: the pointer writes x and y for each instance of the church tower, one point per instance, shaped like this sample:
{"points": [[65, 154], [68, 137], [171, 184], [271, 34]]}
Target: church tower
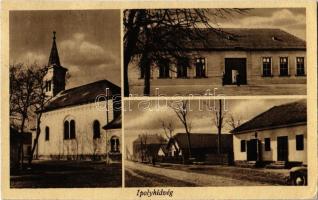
{"points": [[54, 80]]}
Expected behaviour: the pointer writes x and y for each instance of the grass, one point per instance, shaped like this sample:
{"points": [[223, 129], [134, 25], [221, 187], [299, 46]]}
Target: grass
{"points": [[68, 174], [150, 180]]}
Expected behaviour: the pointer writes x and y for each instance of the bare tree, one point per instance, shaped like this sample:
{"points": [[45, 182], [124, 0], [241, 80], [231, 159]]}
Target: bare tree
{"points": [[232, 121], [168, 128], [146, 30], [26, 96], [219, 122], [182, 112]]}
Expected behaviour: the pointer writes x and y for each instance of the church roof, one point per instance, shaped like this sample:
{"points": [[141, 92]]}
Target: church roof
{"points": [[114, 124], [277, 116], [54, 55], [83, 95]]}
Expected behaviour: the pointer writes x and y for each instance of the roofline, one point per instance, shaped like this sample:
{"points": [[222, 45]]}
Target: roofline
{"points": [[68, 106], [268, 128]]}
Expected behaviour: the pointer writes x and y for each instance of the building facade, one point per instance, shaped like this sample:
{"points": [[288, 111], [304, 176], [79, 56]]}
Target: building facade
{"points": [[72, 121], [258, 56], [277, 135]]}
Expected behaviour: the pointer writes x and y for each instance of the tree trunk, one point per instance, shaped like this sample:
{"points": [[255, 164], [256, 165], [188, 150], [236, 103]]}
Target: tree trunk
{"points": [[36, 140], [20, 151], [220, 121]]}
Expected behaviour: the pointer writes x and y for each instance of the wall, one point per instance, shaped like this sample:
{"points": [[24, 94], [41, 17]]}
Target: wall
{"points": [[215, 63], [271, 155], [84, 116]]}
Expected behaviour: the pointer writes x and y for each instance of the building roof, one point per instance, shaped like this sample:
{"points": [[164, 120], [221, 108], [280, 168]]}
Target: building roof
{"points": [[114, 124], [243, 39], [282, 115], [82, 95], [54, 55], [151, 139], [202, 140]]}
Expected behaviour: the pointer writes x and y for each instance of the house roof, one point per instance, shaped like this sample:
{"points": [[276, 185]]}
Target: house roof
{"points": [[242, 39], [114, 124], [151, 139], [282, 115], [202, 140], [82, 95]]}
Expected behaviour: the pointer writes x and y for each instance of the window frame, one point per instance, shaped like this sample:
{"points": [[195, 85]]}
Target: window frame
{"points": [[165, 65], [96, 126], [303, 66], [270, 64], [182, 66], [280, 66], [243, 145], [69, 129], [267, 144], [47, 133], [202, 70], [301, 146]]}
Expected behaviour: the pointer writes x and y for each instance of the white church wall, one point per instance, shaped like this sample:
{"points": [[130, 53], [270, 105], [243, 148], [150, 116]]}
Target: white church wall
{"points": [[83, 144]]}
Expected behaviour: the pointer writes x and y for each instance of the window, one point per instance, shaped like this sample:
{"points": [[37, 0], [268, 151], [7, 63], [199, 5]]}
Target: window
{"points": [[200, 67], [284, 66], [243, 146], [47, 86], [267, 66], [47, 133], [66, 130], [299, 142], [164, 69], [267, 144], [72, 129], [182, 68], [96, 129], [300, 66], [69, 130], [114, 144]]}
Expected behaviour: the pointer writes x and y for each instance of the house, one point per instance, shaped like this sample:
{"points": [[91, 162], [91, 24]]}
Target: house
{"points": [[259, 56], [16, 139], [71, 123], [148, 147], [276, 135], [202, 145]]}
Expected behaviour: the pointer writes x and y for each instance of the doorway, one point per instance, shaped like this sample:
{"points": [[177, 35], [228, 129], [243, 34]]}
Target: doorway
{"points": [[233, 68], [282, 148], [252, 150]]}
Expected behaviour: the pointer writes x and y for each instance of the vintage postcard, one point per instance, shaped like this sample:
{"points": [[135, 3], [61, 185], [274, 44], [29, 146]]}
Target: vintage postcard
{"points": [[159, 100]]}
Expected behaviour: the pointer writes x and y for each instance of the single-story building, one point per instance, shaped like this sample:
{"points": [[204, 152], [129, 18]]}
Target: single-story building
{"points": [[203, 145], [276, 135], [148, 147], [260, 56]]}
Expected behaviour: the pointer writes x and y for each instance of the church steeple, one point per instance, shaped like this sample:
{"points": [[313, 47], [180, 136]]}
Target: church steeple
{"points": [[54, 80], [54, 55]]}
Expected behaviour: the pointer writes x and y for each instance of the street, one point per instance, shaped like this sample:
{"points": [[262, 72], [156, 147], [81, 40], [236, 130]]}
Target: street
{"points": [[138, 174]]}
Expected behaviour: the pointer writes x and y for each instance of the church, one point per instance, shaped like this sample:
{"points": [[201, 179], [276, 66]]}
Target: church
{"points": [[83, 122]]}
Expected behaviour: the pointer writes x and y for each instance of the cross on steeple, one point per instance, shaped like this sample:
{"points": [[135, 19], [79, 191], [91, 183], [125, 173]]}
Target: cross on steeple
{"points": [[54, 55]]}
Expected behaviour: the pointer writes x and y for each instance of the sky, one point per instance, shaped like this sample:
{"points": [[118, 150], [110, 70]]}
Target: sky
{"points": [[144, 117], [88, 42]]}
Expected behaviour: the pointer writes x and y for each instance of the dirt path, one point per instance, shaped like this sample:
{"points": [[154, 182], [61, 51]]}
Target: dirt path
{"points": [[195, 178]]}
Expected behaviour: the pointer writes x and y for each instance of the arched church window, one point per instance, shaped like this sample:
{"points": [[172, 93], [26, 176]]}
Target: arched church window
{"points": [[47, 133], [114, 144], [66, 130], [72, 129], [96, 129]]}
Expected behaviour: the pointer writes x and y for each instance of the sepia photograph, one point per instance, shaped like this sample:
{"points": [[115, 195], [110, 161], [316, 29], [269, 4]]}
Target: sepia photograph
{"points": [[232, 51], [215, 142], [65, 103]]}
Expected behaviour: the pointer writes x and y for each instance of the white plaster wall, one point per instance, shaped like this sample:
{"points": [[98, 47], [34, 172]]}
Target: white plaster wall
{"points": [[84, 116], [291, 132]]}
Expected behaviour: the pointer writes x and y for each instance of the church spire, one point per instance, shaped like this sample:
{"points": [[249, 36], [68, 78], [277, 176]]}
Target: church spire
{"points": [[54, 55]]}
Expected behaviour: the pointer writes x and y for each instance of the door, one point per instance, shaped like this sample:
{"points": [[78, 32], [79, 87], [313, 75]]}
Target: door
{"points": [[282, 148], [252, 150], [235, 67]]}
